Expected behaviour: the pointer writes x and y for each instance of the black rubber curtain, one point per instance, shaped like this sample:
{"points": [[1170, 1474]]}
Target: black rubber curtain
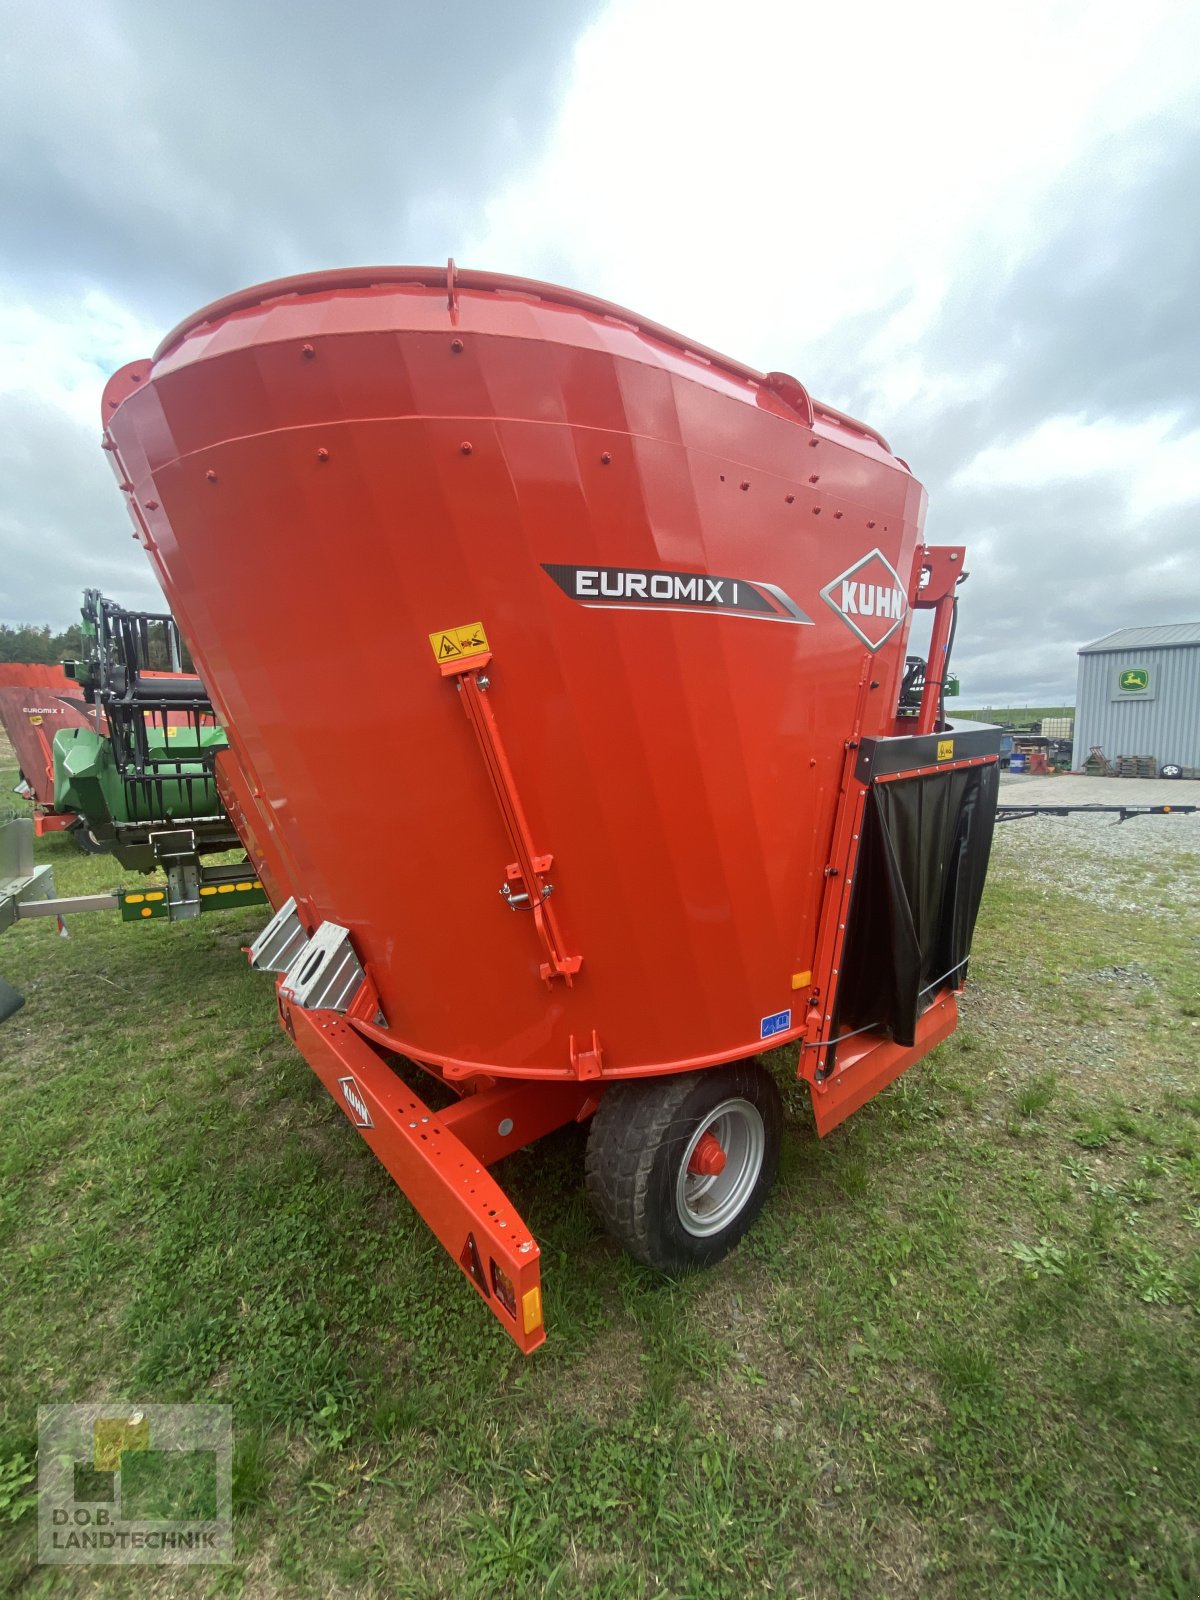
{"points": [[923, 857]]}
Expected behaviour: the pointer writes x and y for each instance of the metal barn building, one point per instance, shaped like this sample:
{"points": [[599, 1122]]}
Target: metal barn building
{"points": [[1139, 695]]}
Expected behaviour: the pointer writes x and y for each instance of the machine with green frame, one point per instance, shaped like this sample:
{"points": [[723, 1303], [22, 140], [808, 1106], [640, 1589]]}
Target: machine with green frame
{"points": [[142, 782], [146, 786]]}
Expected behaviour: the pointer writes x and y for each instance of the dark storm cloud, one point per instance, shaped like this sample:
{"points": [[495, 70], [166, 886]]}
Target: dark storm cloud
{"points": [[168, 154], [176, 152], [1099, 321]]}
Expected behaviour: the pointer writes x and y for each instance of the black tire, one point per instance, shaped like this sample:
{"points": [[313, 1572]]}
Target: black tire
{"points": [[638, 1148], [86, 840], [1170, 770]]}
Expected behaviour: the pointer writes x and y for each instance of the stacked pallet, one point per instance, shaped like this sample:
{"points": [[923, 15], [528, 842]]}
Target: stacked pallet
{"points": [[1098, 765], [1136, 766]]}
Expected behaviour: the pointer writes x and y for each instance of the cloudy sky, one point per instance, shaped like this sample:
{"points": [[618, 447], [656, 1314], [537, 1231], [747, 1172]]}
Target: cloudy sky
{"points": [[975, 227]]}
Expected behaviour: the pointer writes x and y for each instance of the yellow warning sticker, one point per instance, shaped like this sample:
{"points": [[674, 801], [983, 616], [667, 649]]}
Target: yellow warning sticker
{"points": [[36, 721], [945, 750], [453, 644]]}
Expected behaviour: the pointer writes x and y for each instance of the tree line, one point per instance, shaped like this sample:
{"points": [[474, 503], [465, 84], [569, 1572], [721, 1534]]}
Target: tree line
{"points": [[28, 642], [42, 645]]}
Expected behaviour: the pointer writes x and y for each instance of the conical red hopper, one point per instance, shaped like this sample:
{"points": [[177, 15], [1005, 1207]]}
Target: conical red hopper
{"points": [[563, 664], [692, 582]]}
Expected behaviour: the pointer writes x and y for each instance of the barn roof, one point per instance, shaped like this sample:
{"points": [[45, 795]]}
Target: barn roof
{"points": [[1160, 638]]}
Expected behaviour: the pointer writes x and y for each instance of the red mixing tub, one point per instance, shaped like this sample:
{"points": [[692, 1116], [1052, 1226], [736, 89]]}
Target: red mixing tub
{"points": [[612, 630]]}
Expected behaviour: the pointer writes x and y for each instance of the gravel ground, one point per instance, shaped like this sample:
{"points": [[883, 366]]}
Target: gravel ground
{"points": [[1148, 864]]}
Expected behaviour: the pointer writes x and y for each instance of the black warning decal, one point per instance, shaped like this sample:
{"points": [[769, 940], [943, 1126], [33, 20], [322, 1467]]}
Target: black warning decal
{"points": [[656, 589]]}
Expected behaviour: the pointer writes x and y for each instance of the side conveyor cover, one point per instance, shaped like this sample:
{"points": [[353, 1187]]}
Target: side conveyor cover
{"points": [[922, 862]]}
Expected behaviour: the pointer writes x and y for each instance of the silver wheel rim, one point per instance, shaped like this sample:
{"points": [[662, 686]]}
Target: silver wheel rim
{"points": [[708, 1202]]}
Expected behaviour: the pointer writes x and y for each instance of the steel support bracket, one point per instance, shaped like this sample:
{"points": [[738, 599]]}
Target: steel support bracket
{"points": [[867, 1063], [21, 883], [525, 886], [587, 1063], [439, 1173]]}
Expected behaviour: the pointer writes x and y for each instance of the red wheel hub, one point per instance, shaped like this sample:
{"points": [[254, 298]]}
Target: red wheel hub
{"points": [[708, 1159]]}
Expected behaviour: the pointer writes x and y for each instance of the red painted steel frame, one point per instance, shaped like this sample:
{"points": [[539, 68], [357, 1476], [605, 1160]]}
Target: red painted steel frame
{"points": [[943, 565], [868, 1063], [45, 822], [844, 1072], [437, 1158]]}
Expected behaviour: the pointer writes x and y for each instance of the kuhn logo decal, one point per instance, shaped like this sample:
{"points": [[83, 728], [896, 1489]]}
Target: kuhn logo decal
{"points": [[356, 1101], [870, 599], [626, 588]]}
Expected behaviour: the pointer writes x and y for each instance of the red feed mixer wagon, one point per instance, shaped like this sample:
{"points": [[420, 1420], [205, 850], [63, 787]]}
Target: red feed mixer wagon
{"points": [[656, 784]]}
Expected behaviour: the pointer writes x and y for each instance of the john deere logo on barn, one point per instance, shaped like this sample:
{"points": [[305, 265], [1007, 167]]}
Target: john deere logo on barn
{"points": [[1134, 680], [869, 598]]}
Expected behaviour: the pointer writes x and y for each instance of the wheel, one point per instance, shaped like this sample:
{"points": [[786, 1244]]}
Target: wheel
{"points": [[1170, 770], [678, 1168], [85, 839]]}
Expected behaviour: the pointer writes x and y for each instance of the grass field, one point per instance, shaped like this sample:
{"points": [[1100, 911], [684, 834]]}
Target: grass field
{"points": [[1021, 715], [958, 1355]]}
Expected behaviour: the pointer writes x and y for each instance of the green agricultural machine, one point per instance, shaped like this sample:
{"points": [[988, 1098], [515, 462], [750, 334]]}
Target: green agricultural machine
{"points": [[145, 773], [142, 781], [125, 808]]}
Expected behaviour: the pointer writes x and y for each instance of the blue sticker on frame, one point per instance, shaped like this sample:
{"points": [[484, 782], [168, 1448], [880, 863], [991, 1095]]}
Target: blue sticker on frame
{"points": [[778, 1022]]}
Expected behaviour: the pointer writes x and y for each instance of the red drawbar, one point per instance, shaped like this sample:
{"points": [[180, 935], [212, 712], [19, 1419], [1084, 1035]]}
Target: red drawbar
{"points": [[433, 1157]]}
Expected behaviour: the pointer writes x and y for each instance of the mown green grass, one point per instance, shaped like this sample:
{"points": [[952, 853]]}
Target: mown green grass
{"points": [[958, 1354]]}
